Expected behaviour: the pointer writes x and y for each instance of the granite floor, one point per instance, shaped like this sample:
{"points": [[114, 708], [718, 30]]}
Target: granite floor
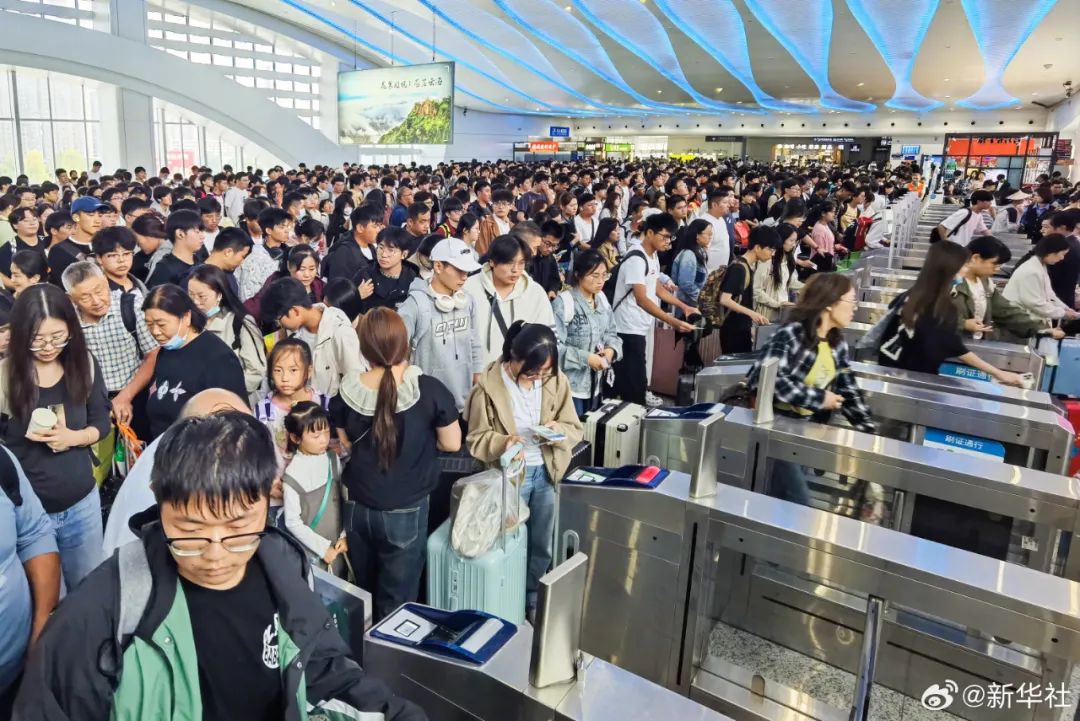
{"points": [[815, 678]]}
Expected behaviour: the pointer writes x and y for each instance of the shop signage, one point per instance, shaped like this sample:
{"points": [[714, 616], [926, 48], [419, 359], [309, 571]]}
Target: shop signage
{"points": [[618, 147], [543, 146], [834, 140], [855, 148], [559, 131], [723, 139], [910, 149], [1063, 148], [521, 147]]}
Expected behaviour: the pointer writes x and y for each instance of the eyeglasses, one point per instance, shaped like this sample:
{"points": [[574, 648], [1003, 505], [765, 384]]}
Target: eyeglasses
{"points": [[387, 250], [56, 343], [538, 375], [192, 547], [599, 276]]}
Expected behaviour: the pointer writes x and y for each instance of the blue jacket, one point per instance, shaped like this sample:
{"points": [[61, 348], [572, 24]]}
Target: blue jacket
{"points": [[579, 328]]}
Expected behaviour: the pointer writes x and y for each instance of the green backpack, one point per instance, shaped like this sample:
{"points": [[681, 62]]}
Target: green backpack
{"points": [[709, 299]]}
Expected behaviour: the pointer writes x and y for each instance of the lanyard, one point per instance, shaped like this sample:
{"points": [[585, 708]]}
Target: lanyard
{"points": [[326, 494]]}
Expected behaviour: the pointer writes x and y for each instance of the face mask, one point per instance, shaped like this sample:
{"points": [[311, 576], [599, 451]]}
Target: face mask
{"points": [[213, 311], [174, 343]]}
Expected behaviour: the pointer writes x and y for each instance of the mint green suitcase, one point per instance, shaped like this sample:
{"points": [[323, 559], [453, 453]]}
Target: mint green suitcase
{"points": [[493, 583]]}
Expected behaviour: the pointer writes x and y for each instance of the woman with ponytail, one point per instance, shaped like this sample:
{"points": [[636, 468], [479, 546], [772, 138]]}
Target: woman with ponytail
{"points": [[521, 391], [394, 419]]}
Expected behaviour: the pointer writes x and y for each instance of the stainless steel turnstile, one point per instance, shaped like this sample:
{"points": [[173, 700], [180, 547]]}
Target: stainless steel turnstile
{"points": [[1014, 357], [763, 609], [728, 446], [727, 370]]}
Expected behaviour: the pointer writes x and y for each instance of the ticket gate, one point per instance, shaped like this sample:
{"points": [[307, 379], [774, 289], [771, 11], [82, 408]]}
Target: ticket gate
{"points": [[766, 610], [725, 371], [727, 444], [468, 666], [1015, 357]]}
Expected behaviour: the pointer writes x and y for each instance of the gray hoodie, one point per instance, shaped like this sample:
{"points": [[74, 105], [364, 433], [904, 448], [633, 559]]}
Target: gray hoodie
{"points": [[445, 344]]}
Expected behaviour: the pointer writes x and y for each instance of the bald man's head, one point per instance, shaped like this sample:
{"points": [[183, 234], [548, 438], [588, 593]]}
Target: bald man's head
{"points": [[211, 401]]}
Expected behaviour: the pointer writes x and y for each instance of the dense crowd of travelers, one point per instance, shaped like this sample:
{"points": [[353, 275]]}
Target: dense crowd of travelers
{"points": [[298, 349]]}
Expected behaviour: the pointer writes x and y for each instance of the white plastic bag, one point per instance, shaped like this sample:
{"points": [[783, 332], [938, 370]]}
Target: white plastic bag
{"points": [[483, 506]]}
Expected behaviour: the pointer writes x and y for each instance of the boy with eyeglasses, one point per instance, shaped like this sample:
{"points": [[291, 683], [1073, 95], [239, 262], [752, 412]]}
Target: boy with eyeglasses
{"points": [[386, 284], [638, 291], [209, 614]]}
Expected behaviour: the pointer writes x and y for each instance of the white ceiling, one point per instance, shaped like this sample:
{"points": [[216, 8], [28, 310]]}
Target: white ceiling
{"points": [[549, 56]]}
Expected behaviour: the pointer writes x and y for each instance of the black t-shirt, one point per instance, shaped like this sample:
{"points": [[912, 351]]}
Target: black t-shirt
{"points": [[236, 642], [932, 343], [61, 479], [415, 473], [140, 265], [205, 362], [8, 251], [169, 269], [64, 254], [738, 280]]}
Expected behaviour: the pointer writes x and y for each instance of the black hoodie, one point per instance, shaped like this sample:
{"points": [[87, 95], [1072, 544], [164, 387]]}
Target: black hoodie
{"points": [[389, 292]]}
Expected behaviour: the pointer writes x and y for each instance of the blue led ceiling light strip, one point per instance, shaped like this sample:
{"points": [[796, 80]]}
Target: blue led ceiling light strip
{"points": [[475, 21], [565, 33], [804, 29], [897, 31], [426, 44], [397, 58], [718, 28], [622, 21], [1000, 28]]}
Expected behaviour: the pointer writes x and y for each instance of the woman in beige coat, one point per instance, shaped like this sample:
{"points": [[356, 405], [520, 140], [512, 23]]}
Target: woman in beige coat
{"points": [[516, 394]]}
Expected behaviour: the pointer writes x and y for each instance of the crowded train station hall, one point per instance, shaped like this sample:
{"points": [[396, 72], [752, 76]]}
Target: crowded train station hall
{"points": [[538, 360]]}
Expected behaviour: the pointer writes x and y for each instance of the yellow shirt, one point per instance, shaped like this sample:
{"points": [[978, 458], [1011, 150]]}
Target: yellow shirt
{"points": [[820, 375]]}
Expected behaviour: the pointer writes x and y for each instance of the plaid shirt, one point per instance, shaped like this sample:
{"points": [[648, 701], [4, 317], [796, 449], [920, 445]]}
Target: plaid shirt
{"points": [[114, 347], [796, 358]]}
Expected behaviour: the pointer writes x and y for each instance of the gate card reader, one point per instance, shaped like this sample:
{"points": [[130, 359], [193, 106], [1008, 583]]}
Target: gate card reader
{"points": [[633, 476], [471, 636]]}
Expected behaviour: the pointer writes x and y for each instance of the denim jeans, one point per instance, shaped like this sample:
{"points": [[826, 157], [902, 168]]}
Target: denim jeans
{"points": [[789, 482], [539, 494], [79, 537], [387, 550]]}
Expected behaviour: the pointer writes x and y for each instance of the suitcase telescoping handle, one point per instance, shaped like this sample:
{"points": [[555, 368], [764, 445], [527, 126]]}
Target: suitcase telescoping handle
{"points": [[512, 463]]}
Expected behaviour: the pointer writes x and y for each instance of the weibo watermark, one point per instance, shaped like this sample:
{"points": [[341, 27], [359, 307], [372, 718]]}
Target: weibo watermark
{"points": [[942, 696]]}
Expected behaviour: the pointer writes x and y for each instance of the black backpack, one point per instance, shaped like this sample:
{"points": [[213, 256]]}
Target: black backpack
{"points": [[9, 478], [613, 279]]}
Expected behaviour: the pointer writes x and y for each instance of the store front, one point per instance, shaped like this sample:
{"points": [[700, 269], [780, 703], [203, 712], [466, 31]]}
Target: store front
{"points": [[1020, 158]]}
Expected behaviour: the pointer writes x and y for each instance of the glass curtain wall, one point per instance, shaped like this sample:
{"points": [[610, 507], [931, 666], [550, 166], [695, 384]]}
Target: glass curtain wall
{"points": [[47, 121]]}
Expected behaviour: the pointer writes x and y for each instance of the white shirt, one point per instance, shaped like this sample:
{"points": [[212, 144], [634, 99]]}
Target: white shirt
{"points": [[586, 229], [978, 297], [964, 234], [233, 204], [720, 245], [526, 407], [209, 238], [630, 318]]}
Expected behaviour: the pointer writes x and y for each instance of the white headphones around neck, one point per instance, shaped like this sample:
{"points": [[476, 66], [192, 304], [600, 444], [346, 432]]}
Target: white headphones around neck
{"points": [[447, 303]]}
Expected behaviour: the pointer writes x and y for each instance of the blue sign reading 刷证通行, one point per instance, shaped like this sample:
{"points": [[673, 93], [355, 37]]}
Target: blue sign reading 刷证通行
{"points": [[558, 131]]}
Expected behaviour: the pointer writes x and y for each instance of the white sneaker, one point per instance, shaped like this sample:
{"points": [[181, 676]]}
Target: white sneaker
{"points": [[652, 400]]}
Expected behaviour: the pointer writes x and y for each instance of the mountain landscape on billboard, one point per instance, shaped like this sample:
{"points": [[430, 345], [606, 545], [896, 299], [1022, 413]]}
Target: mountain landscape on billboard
{"points": [[427, 123], [398, 105], [366, 124]]}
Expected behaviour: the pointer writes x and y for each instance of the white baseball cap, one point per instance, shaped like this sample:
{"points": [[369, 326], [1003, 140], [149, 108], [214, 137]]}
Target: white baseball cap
{"points": [[457, 253]]}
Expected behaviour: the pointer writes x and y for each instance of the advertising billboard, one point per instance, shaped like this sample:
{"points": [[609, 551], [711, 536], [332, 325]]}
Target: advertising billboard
{"points": [[401, 105]]}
